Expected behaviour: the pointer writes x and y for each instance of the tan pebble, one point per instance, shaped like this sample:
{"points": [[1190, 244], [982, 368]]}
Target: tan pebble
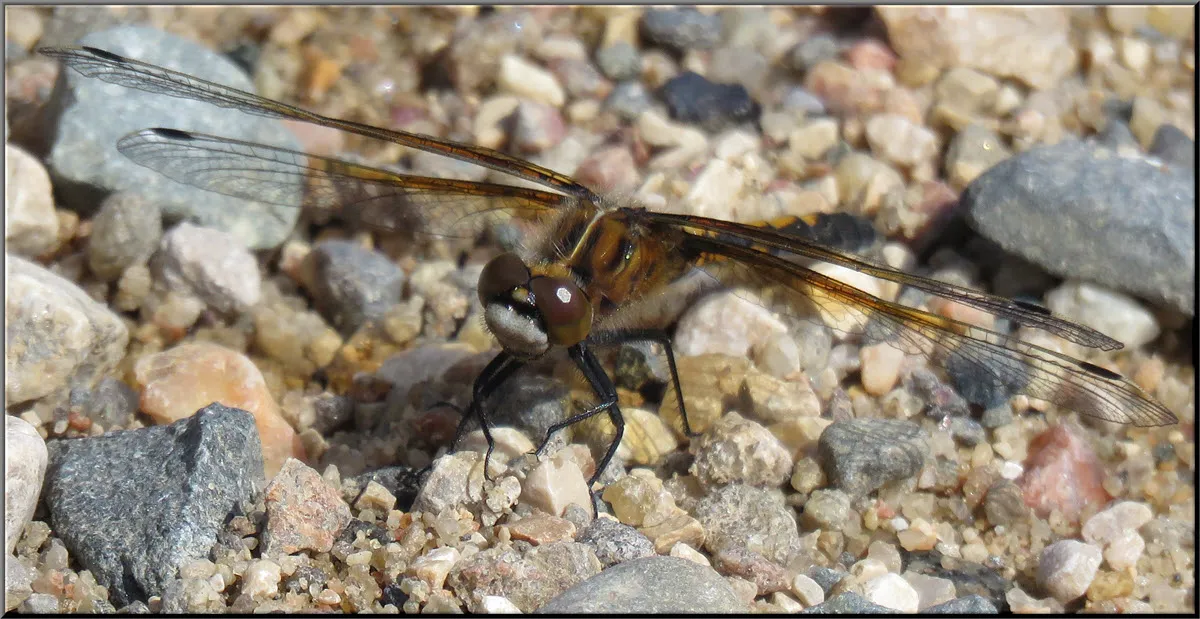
{"points": [[541, 528], [178, 382], [684, 551], [807, 590], [376, 497], [434, 566], [554, 484], [919, 536], [880, 367], [261, 579]]}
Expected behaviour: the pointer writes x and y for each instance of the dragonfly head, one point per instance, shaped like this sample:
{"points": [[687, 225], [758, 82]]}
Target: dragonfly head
{"points": [[530, 313]]}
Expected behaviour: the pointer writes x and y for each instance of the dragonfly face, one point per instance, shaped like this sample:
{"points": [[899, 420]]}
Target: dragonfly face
{"points": [[571, 287], [530, 314]]}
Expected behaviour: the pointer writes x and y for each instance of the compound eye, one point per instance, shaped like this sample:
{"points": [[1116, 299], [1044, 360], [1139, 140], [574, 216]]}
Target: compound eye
{"points": [[564, 308], [500, 275]]}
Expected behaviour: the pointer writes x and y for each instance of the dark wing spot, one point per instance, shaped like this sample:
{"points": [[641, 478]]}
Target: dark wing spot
{"points": [[1099, 371], [1033, 307], [104, 54], [172, 134]]}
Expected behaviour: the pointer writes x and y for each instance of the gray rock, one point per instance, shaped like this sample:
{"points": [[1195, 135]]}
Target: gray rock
{"points": [[1083, 212], [692, 98], [966, 605], [125, 231], [628, 99], [999, 414], [136, 607], [968, 578], [40, 604], [650, 585], [941, 398], [57, 336], [826, 577], [827, 509], [111, 403], [860, 455], [807, 53], [531, 404], [743, 516], [848, 603], [1175, 147], [615, 542], [740, 65], [91, 115], [1005, 504], [210, 265], [619, 61], [352, 285], [18, 582], [797, 99], [133, 506], [1117, 134], [681, 29], [967, 431]]}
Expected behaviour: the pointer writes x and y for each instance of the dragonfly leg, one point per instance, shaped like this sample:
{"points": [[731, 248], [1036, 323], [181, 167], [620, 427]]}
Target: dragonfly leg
{"points": [[620, 336], [498, 370]]}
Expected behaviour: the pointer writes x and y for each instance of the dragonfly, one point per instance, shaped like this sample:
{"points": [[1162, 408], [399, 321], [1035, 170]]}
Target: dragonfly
{"points": [[594, 259]]}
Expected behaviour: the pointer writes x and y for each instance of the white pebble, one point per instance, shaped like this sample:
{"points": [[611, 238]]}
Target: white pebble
{"points": [[931, 590], [1125, 551], [530, 81], [24, 469], [261, 579], [807, 590], [1011, 470], [892, 591], [1115, 530], [434, 565], [1066, 568], [498, 605], [554, 484], [1111, 523]]}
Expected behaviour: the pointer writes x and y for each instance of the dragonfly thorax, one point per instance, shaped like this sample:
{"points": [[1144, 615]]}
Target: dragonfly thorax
{"points": [[530, 313]]}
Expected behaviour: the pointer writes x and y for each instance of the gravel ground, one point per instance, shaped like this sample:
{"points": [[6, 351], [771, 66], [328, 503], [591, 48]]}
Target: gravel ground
{"points": [[149, 325]]}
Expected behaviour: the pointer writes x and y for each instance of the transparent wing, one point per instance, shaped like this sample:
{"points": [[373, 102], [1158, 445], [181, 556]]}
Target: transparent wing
{"points": [[383, 199], [116, 69], [776, 242], [985, 361]]}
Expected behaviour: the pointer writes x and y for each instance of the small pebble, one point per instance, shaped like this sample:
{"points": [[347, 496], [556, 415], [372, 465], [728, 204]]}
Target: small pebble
{"points": [[211, 265], [30, 224], [1066, 568], [892, 591], [24, 468], [525, 79], [736, 449], [807, 590]]}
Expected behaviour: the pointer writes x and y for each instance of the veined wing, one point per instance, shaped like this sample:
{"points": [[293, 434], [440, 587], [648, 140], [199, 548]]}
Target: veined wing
{"points": [[986, 359], [383, 199], [1023, 313], [117, 69]]}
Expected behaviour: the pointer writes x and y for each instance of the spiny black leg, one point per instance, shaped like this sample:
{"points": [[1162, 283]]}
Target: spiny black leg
{"points": [[620, 336], [604, 388], [498, 370], [578, 354]]}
